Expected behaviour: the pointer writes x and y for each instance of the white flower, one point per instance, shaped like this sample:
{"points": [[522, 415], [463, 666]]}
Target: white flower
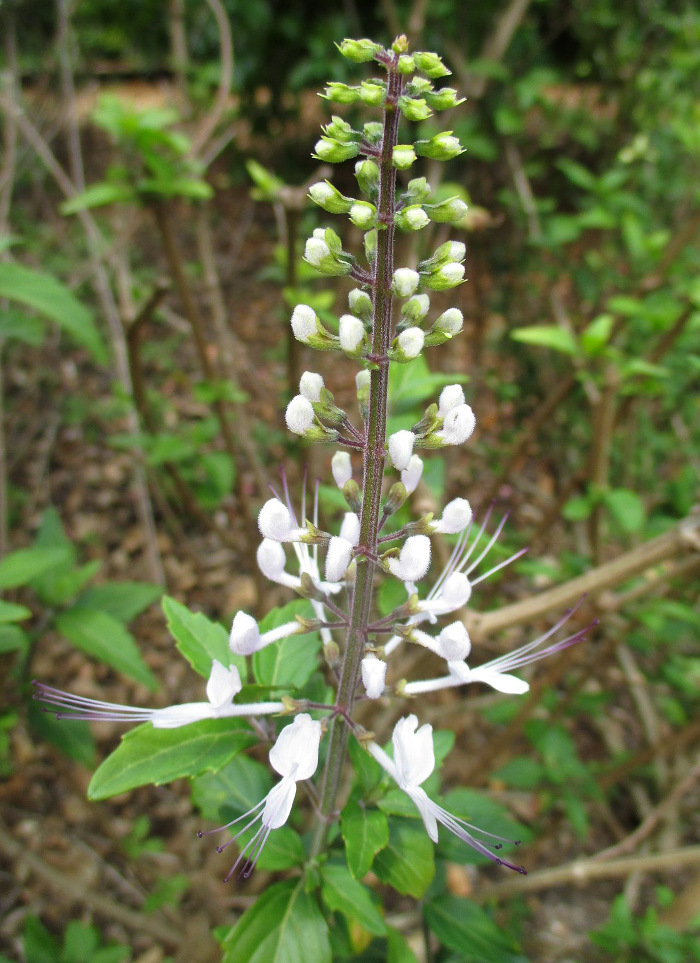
{"points": [[295, 757], [310, 385], [458, 424], [373, 676], [246, 638], [411, 342], [413, 561], [351, 332], [452, 644], [456, 515], [405, 282], [341, 467], [276, 521], [496, 673], [304, 323], [411, 474], [451, 396], [413, 762], [338, 558], [401, 448], [223, 685], [299, 415]]}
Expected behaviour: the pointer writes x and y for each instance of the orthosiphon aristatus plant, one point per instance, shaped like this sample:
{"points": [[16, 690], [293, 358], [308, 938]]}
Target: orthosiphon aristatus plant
{"points": [[322, 912]]}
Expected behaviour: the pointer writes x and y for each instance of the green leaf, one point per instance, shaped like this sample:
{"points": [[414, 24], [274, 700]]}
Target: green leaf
{"points": [[467, 929], [39, 944], [577, 174], [17, 323], [408, 861], [368, 770], [49, 297], [521, 773], [122, 600], [71, 736], [344, 894], [291, 661], [24, 565], [105, 638], [578, 509], [547, 336], [597, 334], [410, 384], [282, 850], [147, 755], [398, 950], [9, 612], [97, 195], [199, 639], [13, 639], [483, 811], [626, 508], [365, 832], [284, 925]]}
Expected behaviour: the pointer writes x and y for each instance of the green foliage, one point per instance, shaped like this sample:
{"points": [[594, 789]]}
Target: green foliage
{"points": [[627, 938], [80, 942]]}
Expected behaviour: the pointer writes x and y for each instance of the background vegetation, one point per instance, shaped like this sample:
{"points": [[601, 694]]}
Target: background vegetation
{"points": [[150, 229]]}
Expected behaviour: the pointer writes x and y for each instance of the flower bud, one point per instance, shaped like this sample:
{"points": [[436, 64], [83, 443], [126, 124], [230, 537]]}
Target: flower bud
{"points": [[455, 644], [244, 638], [275, 521], [309, 330], [403, 156], [456, 590], [458, 425], [401, 448], [405, 282], [417, 192], [331, 150], [351, 332], [352, 495], [443, 147], [406, 64], [450, 322], [416, 308], [367, 175], [408, 345], [271, 559], [359, 51], [395, 498], [372, 95], [411, 218], [341, 467], [299, 415], [341, 131], [362, 381], [363, 215], [447, 212], [414, 108], [413, 561], [360, 304], [450, 397], [446, 277], [341, 93], [316, 250], [350, 528], [373, 676], [337, 558], [373, 131], [443, 99], [310, 385], [430, 64], [371, 246], [411, 474], [329, 198]]}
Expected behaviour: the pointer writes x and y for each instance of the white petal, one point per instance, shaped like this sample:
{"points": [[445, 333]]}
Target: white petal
{"points": [[413, 561], [411, 474], [341, 467], [373, 676], [456, 516], [350, 528], [337, 558], [450, 397], [175, 716], [245, 634], [401, 448], [501, 681], [454, 641], [278, 803], [299, 415], [223, 684], [414, 755], [296, 749]]}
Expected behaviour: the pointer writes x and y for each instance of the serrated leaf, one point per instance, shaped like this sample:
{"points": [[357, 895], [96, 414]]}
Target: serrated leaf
{"points": [[365, 832], [284, 925], [105, 638], [122, 600], [24, 565], [291, 661], [344, 894], [199, 639], [408, 861], [547, 336], [466, 928], [51, 298], [156, 756]]}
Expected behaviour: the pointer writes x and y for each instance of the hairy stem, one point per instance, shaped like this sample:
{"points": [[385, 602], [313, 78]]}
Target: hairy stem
{"points": [[373, 457]]}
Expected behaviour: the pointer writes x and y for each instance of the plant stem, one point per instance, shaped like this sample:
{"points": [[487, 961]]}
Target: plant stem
{"points": [[373, 457]]}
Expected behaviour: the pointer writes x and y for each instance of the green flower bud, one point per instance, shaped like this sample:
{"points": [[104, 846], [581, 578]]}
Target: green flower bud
{"points": [[371, 245], [428, 423], [447, 212], [373, 95], [373, 132], [329, 198], [395, 498], [403, 156], [414, 109], [341, 131], [430, 64], [406, 64], [323, 253], [360, 304], [362, 382], [411, 218], [341, 94], [363, 215], [443, 278], [367, 174], [400, 44], [407, 346], [446, 327], [353, 496], [325, 408], [443, 146], [443, 99], [417, 192], [331, 150], [418, 87], [416, 308], [404, 282], [359, 51]]}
